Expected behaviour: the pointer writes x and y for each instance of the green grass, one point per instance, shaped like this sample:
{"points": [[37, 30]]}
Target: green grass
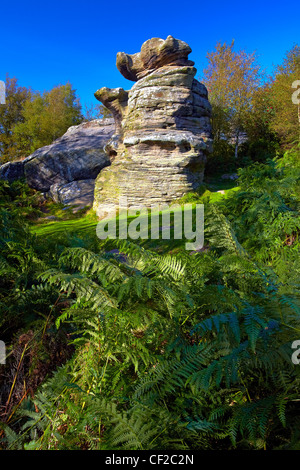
{"points": [[83, 224], [78, 225]]}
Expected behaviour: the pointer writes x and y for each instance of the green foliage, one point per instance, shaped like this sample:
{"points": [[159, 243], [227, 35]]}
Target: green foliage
{"points": [[10, 115], [246, 104], [222, 159], [169, 350], [46, 117], [231, 78], [265, 212], [121, 345], [285, 118], [29, 120]]}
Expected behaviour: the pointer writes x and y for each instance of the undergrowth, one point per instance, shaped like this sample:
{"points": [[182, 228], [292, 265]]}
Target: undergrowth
{"points": [[128, 345]]}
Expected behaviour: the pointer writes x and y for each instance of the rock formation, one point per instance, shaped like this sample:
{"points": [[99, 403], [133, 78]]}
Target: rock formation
{"points": [[163, 129], [154, 149], [79, 193], [12, 171], [66, 169]]}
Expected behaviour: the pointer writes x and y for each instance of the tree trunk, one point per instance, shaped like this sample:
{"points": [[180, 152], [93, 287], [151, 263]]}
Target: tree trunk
{"points": [[236, 144]]}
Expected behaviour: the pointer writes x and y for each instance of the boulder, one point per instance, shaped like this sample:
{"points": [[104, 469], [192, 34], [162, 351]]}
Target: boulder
{"points": [[77, 193], [163, 128], [12, 171], [66, 169], [77, 155]]}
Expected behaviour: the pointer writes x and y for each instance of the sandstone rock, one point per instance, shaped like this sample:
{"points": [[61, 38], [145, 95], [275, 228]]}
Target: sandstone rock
{"points": [[77, 193], [163, 128], [77, 155], [116, 101], [155, 53], [12, 171], [66, 170]]}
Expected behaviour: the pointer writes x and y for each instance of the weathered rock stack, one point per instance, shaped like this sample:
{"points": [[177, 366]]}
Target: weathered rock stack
{"points": [[163, 129]]}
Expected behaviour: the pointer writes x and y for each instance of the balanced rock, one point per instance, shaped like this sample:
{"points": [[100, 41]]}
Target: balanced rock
{"points": [[163, 128]]}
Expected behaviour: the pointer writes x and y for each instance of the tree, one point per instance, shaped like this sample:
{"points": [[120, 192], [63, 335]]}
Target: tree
{"points": [[231, 78], [262, 141], [285, 119], [96, 111], [46, 117], [62, 110], [10, 115]]}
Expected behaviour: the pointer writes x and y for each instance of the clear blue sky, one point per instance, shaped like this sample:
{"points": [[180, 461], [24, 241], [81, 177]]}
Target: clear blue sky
{"points": [[49, 43]]}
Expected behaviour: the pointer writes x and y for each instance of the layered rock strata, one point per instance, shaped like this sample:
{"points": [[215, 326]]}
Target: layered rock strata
{"points": [[77, 155], [163, 128], [66, 169]]}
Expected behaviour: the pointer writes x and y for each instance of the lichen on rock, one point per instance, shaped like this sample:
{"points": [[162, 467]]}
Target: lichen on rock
{"points": [[163, 128]]}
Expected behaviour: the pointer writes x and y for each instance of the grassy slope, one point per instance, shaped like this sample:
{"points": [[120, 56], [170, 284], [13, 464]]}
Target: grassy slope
{"points": [[85, 222]]}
